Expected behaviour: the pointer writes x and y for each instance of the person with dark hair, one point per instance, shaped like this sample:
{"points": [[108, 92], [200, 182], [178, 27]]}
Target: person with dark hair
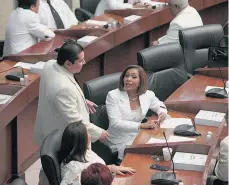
{"points": [[128, 105], [23, 29], [96, 174], [56, 14], [76, 155], [61, 100]]}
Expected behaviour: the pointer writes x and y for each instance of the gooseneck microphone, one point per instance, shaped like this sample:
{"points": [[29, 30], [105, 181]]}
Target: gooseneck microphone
{"points": [[218, 92], [169, 153], [185, 129]]}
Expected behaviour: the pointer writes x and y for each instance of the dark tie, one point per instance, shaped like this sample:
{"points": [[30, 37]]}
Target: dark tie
{"points": [[58, 21]]}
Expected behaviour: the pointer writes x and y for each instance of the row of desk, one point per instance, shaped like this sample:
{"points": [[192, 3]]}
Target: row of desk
{"points": [[115, 49]]}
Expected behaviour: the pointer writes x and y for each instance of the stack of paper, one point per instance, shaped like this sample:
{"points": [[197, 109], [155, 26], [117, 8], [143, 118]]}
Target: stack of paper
{"points": [[209, 118], [174, 122], [86, 40], [23, 65], [98, 23], [172, 139], [131, 18], [189, 161], [4, 98], [38, 67]]}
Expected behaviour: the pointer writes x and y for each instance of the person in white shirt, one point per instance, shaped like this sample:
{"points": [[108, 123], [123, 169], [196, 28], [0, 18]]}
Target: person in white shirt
{"points": [[76, 155], [185, 17], [66, 15], [128, 105], [23, 29], [111, 5], [221, 169]]}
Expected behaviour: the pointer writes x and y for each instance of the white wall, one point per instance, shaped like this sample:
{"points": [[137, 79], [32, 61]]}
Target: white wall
{"points": [[5, 9]]}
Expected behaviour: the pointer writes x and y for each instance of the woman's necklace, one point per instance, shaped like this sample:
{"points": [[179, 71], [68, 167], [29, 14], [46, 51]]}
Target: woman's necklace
{"points": [[132, 99]]}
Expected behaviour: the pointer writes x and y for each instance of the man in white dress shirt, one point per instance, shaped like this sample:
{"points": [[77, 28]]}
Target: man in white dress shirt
{"points": [[66, 15], [185, 17], [23, 28], [111, 5]]}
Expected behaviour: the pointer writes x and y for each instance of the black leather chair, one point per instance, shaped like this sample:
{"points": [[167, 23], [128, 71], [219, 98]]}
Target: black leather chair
{"points": [[213, 180], [49, 157], [195, 43], [1, 48], [164, 66], [86, 10], [18, 182], [96, 90]]}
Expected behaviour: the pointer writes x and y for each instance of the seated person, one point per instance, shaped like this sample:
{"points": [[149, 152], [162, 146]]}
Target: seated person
{"points": [[76, 155], [23, 28], [96, 174], [111, 5], [221, 169], [185, 17], [64, 19], [127, 107]]}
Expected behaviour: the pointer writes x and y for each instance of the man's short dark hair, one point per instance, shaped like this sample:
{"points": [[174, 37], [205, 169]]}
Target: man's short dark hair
{"points": [[26, 4], [69, 51]]}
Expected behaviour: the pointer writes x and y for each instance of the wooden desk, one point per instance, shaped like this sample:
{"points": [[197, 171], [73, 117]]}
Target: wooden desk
{"points": [[213, 72], [117, 48], [190, 97], [17, 123]]}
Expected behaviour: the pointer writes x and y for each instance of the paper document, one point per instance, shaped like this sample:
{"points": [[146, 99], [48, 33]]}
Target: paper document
{"points": [[174, 122], [211, 87], [172, 139], [4, 98], [23, 65], [99, 23]]}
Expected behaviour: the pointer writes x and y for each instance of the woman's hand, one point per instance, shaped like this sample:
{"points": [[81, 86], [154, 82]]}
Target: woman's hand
{"points": [[120, 170], [150, 124], [161, 117]]}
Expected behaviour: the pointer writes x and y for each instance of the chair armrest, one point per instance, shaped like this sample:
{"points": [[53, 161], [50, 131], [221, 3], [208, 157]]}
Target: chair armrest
{"points": [[107, 152], [82, 14]]}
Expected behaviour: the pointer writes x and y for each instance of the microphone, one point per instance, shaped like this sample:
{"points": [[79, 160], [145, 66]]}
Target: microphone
{"points": [[185, 129], [14, 75], [169, 152], [218, 92], [165, 178], [216, 55]]}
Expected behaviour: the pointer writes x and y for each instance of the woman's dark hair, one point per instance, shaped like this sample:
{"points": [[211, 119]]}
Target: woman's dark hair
{"points": [[143, 86], [69, 51], [96, 174], [26, 4], [74, 143]]}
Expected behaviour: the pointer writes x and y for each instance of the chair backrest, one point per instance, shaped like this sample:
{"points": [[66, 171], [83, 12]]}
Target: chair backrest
{"points": [[50, 157], [96, 90], [225, 28], [18, 182], [89, 5], [195, 43], [164, 66], [1, 47]]}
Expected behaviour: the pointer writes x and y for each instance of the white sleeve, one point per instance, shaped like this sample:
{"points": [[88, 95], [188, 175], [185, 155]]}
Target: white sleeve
{"points": [[37, 29], [115, 118], [113, 4], [156, 105], [172, 34], [71, 16]]}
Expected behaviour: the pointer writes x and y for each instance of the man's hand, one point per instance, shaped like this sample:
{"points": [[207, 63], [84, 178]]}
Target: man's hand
{"points": [[104, 136], [154, 43], [91, 106]]}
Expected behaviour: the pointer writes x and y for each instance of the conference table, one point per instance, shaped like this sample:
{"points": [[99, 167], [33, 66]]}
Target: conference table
{"points": [[114, 49]]}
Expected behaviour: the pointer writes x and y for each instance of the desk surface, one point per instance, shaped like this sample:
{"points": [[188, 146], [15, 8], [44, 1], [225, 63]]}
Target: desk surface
{"points": [[190, 97]]}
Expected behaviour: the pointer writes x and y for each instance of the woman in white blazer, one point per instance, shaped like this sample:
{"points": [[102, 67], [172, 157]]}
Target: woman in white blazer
{"points": [[127, 107]]}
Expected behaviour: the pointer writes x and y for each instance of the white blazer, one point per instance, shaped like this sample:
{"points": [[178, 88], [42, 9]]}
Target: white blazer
{"points": [[23, 31], [61, 102], [67, 16], [121, 124], [110, 5], [187, 18]]}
